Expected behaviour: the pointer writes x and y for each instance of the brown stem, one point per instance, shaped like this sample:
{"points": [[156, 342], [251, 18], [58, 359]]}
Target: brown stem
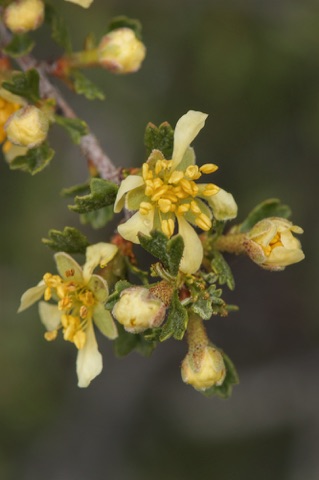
{"points": [[231, 243]]}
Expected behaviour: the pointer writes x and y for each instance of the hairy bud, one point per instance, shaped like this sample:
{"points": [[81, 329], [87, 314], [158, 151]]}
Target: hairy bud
{"points": [[120, 51], [137, 310], [203, 368], [24, 15], [27, 127]]}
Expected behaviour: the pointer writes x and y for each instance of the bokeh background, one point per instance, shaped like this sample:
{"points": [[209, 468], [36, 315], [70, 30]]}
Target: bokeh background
{"points": [[254, 67]]}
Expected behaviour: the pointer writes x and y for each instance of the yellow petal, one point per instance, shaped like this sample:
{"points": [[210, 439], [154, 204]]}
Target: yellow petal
{"points": [[98, 254], [89, 361], [104, 322], [223, 205], [137, 223], [50, 315], [128, 184], [187, 128], [193, 249], [31, 296]]}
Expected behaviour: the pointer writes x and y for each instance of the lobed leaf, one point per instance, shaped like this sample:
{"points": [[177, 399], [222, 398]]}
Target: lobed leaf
{"points": [[25, 84], [176, 322], [222, 270], [34, 161], [83, 86], [159, 138], [70, 240], [20, 44], [75, 127], [103, 193]]}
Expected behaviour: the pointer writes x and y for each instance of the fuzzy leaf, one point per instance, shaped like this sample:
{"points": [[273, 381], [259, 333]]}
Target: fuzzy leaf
{"points": [[59, 30], [98, 218], [168, 251], [75, 127], [70, 240], [25, 84], [75, 190], [83, 86], [103, 193], [160, 138], [268, 208], [35, 160], [231, 379], [125, 22], [176, 322], [20, 44], [127, 342], [222, 270]]}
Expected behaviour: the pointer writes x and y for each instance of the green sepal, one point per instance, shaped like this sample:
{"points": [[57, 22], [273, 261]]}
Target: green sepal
{"points": [[98, 218], [231, 379], [59, 30], [70, 240], [83, 86], [35, 160], [25, 84], [176, 322], [124, 22], [75, 190], [222, 270], [75, 127], [268, 208], [159, 138], [103, 193], [20, 44], [126, 342], [114, 297], [168, 251]]}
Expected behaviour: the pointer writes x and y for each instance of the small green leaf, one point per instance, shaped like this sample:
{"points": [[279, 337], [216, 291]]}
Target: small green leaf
{"points": [[268, 208], [103, 193], [168, 251], [159, 138], [176, 322], [83, 86], [231, 379], [126, 342], [59, 30], [75, 190], [75, 127], [19, 45], [25, 84], [98, 218], [125, 22], [70, 240], [203, 306], [222, 270], [35, 160]]}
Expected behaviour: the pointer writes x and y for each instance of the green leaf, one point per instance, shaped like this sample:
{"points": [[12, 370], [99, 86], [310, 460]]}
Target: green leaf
{"points": [[231, 379], [268, 208], [83, 86], [125, 22], [59, 30], [168, 251], [70, 240], [176, 322], [159, 138], [35, 160], [103, 193], [75, 127], [20, 44], [25, 84], [75, 190], [98, 218], [127, 342], [203, 306], [222, 270]]}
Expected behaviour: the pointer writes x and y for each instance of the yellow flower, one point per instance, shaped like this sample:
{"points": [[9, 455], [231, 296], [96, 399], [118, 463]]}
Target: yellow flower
{"points": [[82, 3], [120, 51], [167, 191], [27, 127], [24, 15], [272, 245], [9, 104], [204, 368], [80, 295], [137, 310]]}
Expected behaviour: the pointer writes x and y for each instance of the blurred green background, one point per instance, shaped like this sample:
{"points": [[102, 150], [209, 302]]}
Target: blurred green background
{"points": [[254, 67]]}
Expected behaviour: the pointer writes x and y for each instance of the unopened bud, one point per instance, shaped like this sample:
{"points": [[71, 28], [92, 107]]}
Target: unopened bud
{"points": [[24, 15], [137, 310], [271, 244], [120, 51], [27, 127], [203, 368]]}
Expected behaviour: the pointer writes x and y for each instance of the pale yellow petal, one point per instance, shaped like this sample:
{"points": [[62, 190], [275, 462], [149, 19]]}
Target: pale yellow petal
{"points": [[193, 249], [89, 361], [128, 184], [137, 223], [223, 205], [283, 257], [50, 315], [67, 267], [98, 254], [31, 296], [187, 128], [104, 322], [82, 3]]}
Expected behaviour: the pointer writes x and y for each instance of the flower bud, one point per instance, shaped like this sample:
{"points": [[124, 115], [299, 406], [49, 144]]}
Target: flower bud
{"points": [[272, 245], [27, 127], [137, 310], [120, 51], [203, 368], [24, 15]]}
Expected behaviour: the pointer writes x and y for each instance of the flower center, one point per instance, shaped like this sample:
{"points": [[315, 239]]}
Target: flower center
{"points": [[275, 242], [174, 192], [76, 302]]}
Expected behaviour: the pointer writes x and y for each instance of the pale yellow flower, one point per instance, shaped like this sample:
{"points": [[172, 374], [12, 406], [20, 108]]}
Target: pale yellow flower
{"points": [[27, 127], [24, 15], [205, 369], [166, 191], [80, 295], [272, 245]]}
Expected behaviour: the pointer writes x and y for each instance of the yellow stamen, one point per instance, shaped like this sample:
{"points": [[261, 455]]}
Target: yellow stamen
{"points": [[192, 172], [194, 207], [175, 177], [183, 208], [159, 193], [203, 222], [145, 208], [83, 311], [164, 205], [210, 190], [168, 227], [208, 168], [49, 336]]}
